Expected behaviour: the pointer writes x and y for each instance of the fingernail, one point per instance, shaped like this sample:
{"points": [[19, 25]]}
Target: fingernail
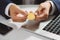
{"points": [[35, 13], [20, 15]]}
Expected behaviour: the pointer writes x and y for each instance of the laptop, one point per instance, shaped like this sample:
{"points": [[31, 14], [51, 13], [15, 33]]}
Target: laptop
{"points": [[51, 29]]}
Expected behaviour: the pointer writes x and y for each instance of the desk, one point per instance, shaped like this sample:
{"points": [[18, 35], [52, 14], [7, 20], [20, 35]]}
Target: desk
{"points": [[20, 34]]}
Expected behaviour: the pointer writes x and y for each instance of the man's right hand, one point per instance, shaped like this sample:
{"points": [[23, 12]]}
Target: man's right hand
{"points": [[42, 12]]}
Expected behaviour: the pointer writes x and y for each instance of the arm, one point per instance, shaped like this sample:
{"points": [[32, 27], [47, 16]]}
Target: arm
{"points": [[46, 7], [57, 6], [8, 9], [3, 4]]}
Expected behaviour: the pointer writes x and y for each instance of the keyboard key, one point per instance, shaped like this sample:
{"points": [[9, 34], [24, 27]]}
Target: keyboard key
{"points": [[54, 26], [57, 26]]}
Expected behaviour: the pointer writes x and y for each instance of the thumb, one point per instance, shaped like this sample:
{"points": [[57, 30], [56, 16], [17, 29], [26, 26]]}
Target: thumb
{"points": [[22, 12], [39, 11]]}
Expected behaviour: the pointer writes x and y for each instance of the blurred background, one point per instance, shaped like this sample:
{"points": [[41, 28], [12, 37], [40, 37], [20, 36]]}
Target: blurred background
{"points": [[27, 2]]}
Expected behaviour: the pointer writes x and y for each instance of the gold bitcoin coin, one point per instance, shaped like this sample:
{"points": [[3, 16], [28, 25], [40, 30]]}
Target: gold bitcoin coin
{"points": [[31, 16]]}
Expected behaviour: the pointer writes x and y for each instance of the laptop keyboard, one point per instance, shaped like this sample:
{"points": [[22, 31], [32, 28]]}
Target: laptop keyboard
{"points": [[54, 26]]}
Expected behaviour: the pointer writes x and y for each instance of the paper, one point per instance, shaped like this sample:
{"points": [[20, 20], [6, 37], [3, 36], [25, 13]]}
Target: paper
{"points": [[33, 38]]}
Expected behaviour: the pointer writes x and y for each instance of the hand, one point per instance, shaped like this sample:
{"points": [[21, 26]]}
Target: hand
{"points": [[14, 11], [42, 12]]}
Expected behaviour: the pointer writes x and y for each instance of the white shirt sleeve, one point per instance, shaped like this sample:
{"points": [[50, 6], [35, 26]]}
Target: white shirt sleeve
{"points": [[53, 8], [7, 8]]}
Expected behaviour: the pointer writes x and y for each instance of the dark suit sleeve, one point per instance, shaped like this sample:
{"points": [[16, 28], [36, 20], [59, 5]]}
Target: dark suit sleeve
{"points": [[39, 1], [3, 4], [57, 5]]}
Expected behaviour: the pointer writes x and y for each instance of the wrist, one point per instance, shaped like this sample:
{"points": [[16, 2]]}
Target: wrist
{"points": [[7, 9], [11, 9], [49, 3], [50, 8]]}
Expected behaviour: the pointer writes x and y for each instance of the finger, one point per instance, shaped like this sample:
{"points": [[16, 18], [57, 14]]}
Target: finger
{"points": [[36, 12], [20, 11], [21, 16], [42, 16], [46, 12], [40, 10], [19, 19], [23, 12]]}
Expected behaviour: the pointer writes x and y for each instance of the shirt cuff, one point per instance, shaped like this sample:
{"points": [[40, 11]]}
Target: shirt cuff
{"points": [[7, 9], [53, 8]]}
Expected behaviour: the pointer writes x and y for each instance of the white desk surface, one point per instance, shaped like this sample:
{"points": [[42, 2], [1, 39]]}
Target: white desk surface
{"points": [[19, 33]]}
